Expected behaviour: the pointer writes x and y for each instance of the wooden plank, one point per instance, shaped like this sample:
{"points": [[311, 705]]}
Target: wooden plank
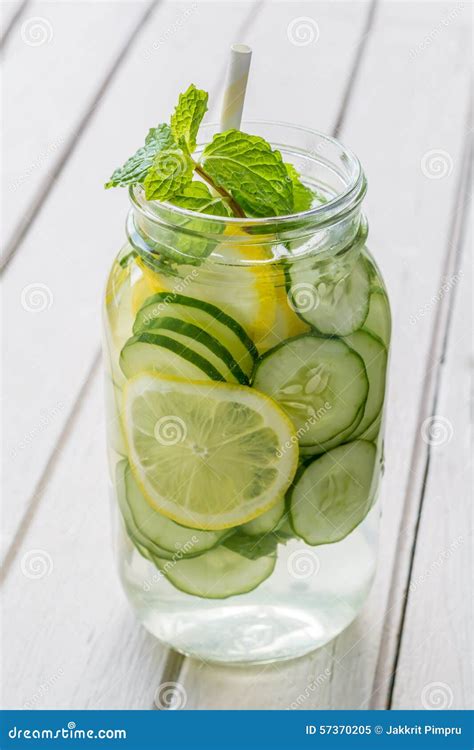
{"points": [[86, 620], [438, 626], [410, 114], [55, 63]]}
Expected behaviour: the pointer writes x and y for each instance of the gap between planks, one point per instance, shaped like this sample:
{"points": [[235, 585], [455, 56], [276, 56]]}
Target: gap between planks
{"points": [[43, 482], [353, 75], [421, 454], [12, 23], [32, 211]]}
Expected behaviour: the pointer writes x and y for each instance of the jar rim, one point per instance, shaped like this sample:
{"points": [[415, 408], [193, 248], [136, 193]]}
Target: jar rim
{"points": [[336, 206]]}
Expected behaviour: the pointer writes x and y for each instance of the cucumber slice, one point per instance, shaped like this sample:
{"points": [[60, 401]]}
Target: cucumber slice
{"points": [[143, 551], [285, 528], [373, 430], [379, 321], [341, 303], [152, 352], [341, 437], [206, 345], [376, 283], [122, 471], [217, 574], [321, 384], [163, 532], [374, 354], [139, 547], [205, 315], [266, 522], [334, 493]]}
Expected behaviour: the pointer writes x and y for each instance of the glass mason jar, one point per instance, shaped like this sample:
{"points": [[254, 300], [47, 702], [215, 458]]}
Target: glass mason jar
{"points": [[245, 379]]}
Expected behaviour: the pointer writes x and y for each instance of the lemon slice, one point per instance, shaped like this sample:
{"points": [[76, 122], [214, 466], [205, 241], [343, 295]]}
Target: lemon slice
{"points": [[207, 455], [145, 286], [286, 322], [119, 322], [117, 301]]}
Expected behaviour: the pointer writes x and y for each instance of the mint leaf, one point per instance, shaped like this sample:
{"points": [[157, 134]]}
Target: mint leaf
{"points": [[251, 547], [247, 167], [185, 122], [135, 169], [200, 235], [170, 172], [197, 197], [254, 547], [302, 195]]}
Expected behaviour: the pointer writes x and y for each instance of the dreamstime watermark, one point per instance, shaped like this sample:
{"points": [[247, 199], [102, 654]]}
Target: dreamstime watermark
{"points": [[303, 31], [311, 688], [436, 164], [36, 564], [303, 297], [36, 297], [168, 165], [182, 551], [43, 689], [170, 430], [445, 287], [303, 564], [301, 431], [434, 33], [46, 419], [437, 696], [170, 696], [39, 161], [36, 31], [172, 30], [436, 430], [71, 732], [436, 564]]}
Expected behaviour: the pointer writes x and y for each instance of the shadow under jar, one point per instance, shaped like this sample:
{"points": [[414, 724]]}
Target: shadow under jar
{"points": [[245, 380]]}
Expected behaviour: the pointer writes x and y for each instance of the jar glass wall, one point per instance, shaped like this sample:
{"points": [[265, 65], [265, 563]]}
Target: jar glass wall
{"points": [[245, 380]]}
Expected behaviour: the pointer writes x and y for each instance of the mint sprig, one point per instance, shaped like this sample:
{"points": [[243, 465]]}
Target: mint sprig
{"points": [[244, 175]]}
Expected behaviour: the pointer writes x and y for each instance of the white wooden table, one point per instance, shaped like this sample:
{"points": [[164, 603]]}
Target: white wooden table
{"points": [[82, 83]]}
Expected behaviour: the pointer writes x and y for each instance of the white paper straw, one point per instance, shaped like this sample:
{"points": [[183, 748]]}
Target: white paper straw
{"points": [[236, 86]]}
